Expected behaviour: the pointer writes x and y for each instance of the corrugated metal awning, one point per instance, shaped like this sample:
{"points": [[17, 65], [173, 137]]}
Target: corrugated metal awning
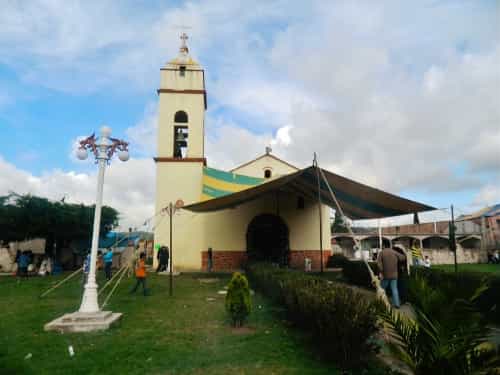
{"points": [[358, 201]]}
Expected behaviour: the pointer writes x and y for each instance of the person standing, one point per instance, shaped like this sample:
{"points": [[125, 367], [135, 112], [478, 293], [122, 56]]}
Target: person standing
{"points": [[140, 274], [210, 260], [108, 262], [416, 253], [403, 277], [387, 261], [23, 263], [162, 257]]}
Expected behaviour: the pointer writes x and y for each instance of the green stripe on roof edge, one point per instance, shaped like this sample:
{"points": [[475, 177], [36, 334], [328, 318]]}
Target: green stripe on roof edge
{"points": [[232, 177]]}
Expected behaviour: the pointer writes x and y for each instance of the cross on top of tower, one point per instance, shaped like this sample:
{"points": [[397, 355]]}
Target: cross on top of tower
{"points": [[184, 48], [183, 58], [184, 37]]}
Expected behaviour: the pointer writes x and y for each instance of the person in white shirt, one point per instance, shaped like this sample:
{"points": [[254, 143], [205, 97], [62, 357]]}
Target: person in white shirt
{"points": [[427, 262]]}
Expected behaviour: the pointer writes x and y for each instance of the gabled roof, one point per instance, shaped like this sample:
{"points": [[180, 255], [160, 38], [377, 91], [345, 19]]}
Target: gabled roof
{"points": [[261, 157], [358, 201]]}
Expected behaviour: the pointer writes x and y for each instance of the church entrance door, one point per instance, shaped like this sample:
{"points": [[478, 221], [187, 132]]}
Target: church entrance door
{"points": [[267, 239]]}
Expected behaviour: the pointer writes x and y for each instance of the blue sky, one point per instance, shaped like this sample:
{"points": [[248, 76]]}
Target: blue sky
{"points": [[400, 95]]}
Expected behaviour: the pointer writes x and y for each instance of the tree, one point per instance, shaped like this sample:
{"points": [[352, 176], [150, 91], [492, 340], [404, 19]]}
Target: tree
{"points": [[238, 299], [338, 225], [24, 217]]}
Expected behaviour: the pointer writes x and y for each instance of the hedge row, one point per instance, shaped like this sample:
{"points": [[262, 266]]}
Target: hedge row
{"points": [[356, 273], [341, 320], [337, 261], [463, 284]]}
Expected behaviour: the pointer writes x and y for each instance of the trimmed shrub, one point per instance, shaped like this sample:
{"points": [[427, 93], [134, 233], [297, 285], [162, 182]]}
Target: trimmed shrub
{"points": [[337, 261], [340, 320], [238, 299], [462, 285], [356, 273]]}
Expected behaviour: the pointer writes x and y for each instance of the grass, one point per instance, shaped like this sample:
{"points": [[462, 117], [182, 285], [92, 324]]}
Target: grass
{"points": [[158, 334], [488, 268]]}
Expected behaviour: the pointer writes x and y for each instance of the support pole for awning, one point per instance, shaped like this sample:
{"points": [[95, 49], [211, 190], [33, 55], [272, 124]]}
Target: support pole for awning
{"points": [[315, 163], [375, 281]]}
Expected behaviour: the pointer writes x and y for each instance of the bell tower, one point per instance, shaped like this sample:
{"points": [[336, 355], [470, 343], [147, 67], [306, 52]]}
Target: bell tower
{"points": [[180, 154]]}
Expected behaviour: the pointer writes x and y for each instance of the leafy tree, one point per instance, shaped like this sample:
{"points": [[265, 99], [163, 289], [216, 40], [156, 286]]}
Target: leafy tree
{"points": [[24, 217], [338, 225]]}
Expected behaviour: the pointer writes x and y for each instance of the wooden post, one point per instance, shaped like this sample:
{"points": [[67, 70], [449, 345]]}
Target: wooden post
{"points": [[171, 258], [454, 238], [320, 215]]}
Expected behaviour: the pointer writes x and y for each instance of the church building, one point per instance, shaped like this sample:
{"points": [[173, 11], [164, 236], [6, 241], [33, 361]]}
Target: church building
{"points": [[265, 209], [277, 227]]}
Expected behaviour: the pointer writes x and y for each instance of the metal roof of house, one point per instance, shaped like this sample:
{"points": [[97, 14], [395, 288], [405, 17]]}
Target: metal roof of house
{"points": [[485, 212]]}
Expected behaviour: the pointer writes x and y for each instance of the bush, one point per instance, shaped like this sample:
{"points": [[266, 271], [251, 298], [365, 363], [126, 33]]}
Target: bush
{"points": [[340, 320], [238, 299], [463, 285], [356, 273], [443, 334], [337, 261]]}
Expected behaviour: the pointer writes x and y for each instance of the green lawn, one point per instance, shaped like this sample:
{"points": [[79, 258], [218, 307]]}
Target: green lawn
{"points": [[490, 268], [158, 334]]}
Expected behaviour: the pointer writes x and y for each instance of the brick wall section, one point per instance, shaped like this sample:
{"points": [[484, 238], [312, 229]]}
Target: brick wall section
{"points": [[297, 258], [233, 260], [224, 260]]}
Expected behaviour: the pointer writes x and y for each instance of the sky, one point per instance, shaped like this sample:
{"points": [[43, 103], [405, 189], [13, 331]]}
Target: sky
{"points": [[404, 96]]}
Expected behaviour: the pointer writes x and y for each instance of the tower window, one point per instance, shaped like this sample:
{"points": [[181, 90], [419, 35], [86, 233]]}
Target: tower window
{"points": [[267, 173], [300, 203], [180, 141], [181, 116], [182, 71]]}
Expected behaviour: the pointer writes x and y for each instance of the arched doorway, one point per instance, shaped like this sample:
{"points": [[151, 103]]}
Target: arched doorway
{"points": [[267, 239]]}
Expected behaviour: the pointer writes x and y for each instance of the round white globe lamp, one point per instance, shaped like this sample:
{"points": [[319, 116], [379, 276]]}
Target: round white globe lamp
{"points": [[123, 155], [82, 154]]}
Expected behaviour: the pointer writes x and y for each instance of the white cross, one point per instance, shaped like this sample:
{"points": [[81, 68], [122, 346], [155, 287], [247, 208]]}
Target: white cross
{"points": [[184, 38]]}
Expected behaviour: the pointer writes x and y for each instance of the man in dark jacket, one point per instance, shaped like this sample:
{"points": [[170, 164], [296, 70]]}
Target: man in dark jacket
{"points": [[162, 257], [387, 261]]}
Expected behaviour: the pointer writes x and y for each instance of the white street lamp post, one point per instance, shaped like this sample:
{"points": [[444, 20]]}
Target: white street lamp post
{"points": [[89, 317]]}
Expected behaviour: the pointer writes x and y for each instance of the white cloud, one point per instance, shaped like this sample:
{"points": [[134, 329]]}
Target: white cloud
{"points": [[142, 135], [488, 194], [128, 187], [282, 136], [401, 97]]}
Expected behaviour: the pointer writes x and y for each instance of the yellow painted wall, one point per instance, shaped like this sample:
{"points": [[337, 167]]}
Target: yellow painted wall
{"points": [[257, 167], [180, 179], [226, 230], [192, 80], [192, 104]]}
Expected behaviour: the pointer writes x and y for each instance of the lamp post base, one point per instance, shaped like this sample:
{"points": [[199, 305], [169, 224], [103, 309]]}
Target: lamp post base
{"points": [[83, 322]]}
